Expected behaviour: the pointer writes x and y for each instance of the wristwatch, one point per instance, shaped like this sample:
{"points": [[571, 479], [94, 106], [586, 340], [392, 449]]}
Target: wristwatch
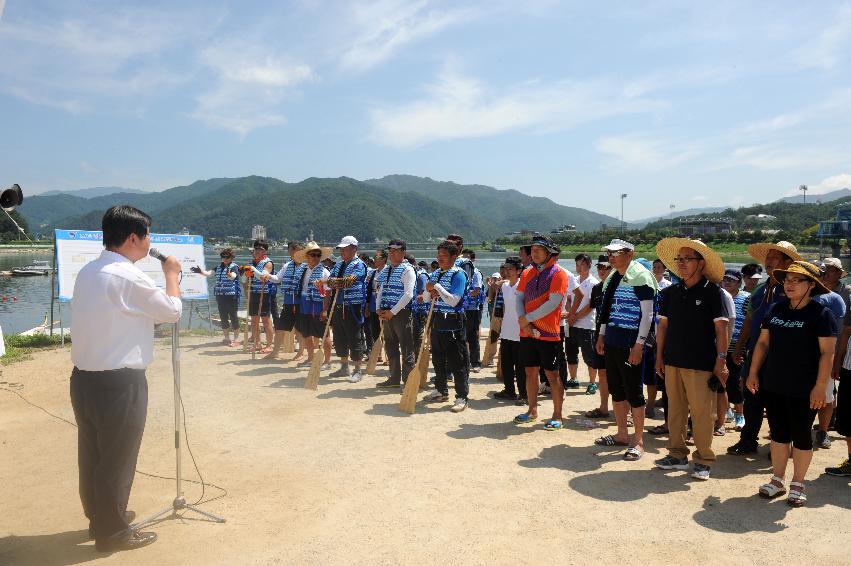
{"points": [[722, 355]]}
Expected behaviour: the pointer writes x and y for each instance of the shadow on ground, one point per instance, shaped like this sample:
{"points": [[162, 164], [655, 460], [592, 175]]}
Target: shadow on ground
{"points": [[57, 549]]}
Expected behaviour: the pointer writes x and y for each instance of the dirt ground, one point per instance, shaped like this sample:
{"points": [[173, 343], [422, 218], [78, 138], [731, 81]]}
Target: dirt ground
{"points": [[339, 476]]}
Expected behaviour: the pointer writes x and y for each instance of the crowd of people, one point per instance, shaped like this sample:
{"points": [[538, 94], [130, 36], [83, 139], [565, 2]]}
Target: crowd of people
{"points": [[719, 345]]}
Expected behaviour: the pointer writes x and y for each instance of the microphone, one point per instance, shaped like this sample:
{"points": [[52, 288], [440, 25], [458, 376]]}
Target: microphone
{"points": [[154, 252]]}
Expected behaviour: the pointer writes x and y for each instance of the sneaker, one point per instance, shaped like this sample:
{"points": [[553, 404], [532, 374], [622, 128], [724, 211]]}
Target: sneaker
{"points": [[843, 470], [543, 388], [342, 372], [740, 449], [505, 395], [740, 423], [719, 431], [591, 389], [649, 412], [671, 463], [356, 376], [700, 472], [459, 405], [436, 397], [730, 416], [822, 440], [324, 367], [388, 383], [572, 384], [476, 369]]}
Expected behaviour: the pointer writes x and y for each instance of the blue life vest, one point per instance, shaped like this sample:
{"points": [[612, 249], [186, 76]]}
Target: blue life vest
{"points": [[227, 287], [419, 289], [370, 288], [499, 302], [445, 279], [390, 283], [258, 286], [741, 301], [470, 302], [310, 299], [626, 309], [356, 294], [289, 283]]}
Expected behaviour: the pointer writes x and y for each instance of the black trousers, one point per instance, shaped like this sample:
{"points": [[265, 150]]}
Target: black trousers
{"points": [[419, 334], [473, 321], [227, 311], [399, 344], [110, 408], [447, 351], [512, 371], [754, 408], [371, 330], [347, 323]]}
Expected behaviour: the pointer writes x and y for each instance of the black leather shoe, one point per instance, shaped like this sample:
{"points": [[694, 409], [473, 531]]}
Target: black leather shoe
{"points": [[740, 449], [128, 516], [136, 539]]}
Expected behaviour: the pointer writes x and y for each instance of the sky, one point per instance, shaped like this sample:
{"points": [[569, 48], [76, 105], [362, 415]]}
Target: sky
{"points": [[674, 104]]}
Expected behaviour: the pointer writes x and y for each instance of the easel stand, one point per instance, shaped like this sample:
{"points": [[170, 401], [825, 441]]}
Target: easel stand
{"points": [[179, 503]]}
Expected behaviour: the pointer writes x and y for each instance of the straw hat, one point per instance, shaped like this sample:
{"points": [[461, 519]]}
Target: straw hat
{"points": [[759, 251], [301, 255], [835, 262], [669, 248], [806, 269]]}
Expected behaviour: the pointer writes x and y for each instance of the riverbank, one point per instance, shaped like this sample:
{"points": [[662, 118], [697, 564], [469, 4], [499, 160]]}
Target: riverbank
{"points": [[339, 476]]}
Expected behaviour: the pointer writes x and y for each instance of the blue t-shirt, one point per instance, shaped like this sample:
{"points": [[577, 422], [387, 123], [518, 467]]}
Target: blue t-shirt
{"points": [[757, 307], [833, 301]]}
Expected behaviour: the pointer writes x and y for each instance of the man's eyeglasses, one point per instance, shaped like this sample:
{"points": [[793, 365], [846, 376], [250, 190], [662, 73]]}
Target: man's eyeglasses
{"points": [[685, 259], [795, 280], [616, 253], [314, 254]]}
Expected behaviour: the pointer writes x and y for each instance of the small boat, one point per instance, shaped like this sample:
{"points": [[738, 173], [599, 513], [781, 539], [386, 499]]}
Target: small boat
{"points": [[495, 248], [37, 267]]}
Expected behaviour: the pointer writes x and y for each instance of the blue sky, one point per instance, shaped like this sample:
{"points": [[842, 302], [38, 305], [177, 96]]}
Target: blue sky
{"points": [[691, 104]]}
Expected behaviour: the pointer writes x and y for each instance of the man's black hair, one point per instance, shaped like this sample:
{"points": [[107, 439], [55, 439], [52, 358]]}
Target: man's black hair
{"points": [[526, 249], [751, 269], [120, 221], [295, 245], [514, 262], [227, 252], [450, 247], [583, 257], [469, 252], [657, 260], [261, 244]]}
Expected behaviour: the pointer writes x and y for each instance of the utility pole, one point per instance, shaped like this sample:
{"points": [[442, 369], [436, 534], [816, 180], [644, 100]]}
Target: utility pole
{"points": [[623, 224], [804, 188]]}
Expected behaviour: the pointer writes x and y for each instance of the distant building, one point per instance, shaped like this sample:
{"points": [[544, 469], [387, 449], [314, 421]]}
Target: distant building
{"points": [[698, 226], [840, 227], [258, 232], [761, 217], [564, 229]]}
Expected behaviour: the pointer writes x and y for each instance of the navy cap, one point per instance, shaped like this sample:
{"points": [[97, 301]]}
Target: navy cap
{"points": [[733, 274]]}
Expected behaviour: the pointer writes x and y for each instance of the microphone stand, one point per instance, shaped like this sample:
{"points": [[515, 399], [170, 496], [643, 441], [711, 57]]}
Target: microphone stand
{"points": [[179, 503]]}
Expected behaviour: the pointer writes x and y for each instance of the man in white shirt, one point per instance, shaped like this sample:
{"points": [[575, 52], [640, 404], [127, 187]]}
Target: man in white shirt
{"points": [[114, 309], [582, 320], [513, 373], [396, 284]]}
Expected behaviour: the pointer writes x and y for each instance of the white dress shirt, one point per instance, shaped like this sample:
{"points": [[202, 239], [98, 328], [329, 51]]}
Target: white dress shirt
{"points": [[114, 309], [510, 321], [409, 282]]}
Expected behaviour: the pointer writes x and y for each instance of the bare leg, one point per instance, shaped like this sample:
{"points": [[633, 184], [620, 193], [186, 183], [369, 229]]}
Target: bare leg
{"points": [[723, 405], [638, 421], [592, 375], [532, 390], [558, 393], [800, 463], [780, 457], [604, 392], [621, 409], [824, 415], [327, 348]]}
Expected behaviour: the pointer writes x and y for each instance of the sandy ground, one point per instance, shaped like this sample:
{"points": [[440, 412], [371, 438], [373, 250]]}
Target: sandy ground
{"points": [[339, 476]]}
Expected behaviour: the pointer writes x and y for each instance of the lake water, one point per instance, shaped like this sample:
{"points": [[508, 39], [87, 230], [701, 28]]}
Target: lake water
{"points": [[33, 293]]}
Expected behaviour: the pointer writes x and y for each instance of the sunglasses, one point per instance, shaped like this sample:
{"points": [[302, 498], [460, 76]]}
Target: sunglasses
{"points": [[616, 253], [314, 254]]}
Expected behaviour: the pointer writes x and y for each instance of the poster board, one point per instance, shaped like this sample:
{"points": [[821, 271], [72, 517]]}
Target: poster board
{"points": [[76, 248]]}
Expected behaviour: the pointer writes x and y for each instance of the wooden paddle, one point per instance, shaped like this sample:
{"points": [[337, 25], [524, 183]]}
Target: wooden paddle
{"points": [[408, 404], [312, 381], [288, 343], [422, 363], [245, 324], [377, 346]]}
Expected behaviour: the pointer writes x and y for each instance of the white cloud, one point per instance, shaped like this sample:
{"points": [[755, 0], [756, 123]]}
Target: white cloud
{"points": [[250, 85], [643, 153], [462, 107], [775, 157], [836, 182], [384, 26]]}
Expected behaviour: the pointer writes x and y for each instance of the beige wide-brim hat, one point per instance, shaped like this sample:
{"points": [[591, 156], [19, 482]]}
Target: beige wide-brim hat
{"points": [[301, 255], [806, 269], [759, 251], [669, 248]]}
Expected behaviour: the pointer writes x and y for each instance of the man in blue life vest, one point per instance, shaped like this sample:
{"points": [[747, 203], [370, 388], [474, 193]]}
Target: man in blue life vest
{"points": [[260, 286], [396, 283], [473, 312], [446, 286], [348, 280], [286, 321], [420, 309], [227, 292]]}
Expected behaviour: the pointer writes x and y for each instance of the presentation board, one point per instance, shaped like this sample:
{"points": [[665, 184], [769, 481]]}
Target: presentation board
{"points": [[76, 248]]}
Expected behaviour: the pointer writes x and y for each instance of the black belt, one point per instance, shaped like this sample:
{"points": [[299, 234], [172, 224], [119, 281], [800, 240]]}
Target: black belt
{"points": [[448, 315]]}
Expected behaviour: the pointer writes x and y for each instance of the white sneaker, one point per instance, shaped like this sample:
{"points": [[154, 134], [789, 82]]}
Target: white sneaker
{"points": [[342, 372], [543, 388], [355, 377], [730, 416], [436, 396], [324, 367], [459, 405]]}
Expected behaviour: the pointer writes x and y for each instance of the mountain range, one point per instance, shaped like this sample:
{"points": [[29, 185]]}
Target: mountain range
{"points": [[415, 208], [824, 197]]}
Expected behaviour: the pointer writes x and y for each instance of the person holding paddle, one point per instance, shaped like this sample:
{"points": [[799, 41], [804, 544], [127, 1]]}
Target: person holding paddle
{"points": [[396, 283], [313, 300], [446, 286], [259, 302]]}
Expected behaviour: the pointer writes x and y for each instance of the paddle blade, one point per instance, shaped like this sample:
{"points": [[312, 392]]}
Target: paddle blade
{"points": [[408, 403], [487, 356], [312, 381], [373, 356], [289, 343]]}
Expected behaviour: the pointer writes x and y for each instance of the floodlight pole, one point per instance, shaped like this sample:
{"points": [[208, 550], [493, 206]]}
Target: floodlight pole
{"points": [[804, 189], [623, 224]]}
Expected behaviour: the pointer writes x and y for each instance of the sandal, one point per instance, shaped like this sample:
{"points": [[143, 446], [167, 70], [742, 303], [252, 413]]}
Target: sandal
{"points": [[553, 424], [658, 429], [524, 418], [596, 414], [633, 453], [235, 344], [609, 440], [629, 421], [797, 497], [771, 490], [591, 389], [719, 431]]}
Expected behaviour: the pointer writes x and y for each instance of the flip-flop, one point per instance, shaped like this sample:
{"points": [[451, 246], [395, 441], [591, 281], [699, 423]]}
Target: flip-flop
{"points": [[524, 418], [553, 424], [596, 414], [658, 429], [633, 453], [609, 440]]}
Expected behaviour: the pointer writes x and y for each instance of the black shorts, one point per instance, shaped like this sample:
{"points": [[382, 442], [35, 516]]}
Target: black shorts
{"points": [[571, 345], [539, 353], [648, 367], [286, 321], [843, 404], [310, 326], [254, 301]]}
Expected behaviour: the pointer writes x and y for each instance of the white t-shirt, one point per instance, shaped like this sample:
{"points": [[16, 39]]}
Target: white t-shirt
{"points": [[587, 321], [664, 283], [572, 284], [510, 325], [730, 307]]}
